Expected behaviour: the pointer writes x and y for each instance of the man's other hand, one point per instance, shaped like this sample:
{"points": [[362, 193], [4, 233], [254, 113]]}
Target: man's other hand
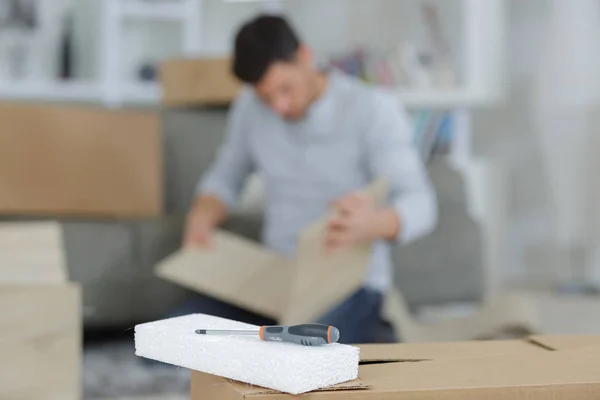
{"points": [[205, 215], [359, 219], [198, 231]]}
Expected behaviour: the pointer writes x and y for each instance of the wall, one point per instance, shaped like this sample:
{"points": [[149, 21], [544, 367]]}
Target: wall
{"points": [[508, 134]]}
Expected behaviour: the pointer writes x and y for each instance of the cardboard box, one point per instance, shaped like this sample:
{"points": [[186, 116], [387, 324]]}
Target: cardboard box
{"points": [[40, 316], [538, 368], [40, 342], [241, 272], [32, 253], [79, 161], [204, 81]]}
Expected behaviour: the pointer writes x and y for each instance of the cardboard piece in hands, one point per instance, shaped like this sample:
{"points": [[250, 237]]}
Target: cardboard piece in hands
{"points": [[298, 290]]}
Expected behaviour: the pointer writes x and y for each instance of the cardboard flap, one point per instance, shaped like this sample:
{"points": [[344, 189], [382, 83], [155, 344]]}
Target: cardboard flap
{"points": [[312, 293], [250, 391], [32, 253], [546, 368], [567, 342], [382, 353], [236, 270]]}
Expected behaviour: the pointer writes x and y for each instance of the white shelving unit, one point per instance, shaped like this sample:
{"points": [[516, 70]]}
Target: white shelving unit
{"points": [[109, 89], [138, 9], [484, 40], [459, 98], [484, 25], [116, 13]]}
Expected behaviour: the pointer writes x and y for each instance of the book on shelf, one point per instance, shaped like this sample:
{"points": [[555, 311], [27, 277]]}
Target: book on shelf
{"points": [[433, 133]]}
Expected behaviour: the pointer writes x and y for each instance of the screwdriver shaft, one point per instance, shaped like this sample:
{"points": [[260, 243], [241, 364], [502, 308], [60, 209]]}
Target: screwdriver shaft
{"points": [[227, 332]]}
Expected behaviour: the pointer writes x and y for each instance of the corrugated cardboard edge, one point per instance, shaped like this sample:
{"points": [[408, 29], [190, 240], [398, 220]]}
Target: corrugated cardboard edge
{"points": [[566, 342], [227, 388], [252, 391]]}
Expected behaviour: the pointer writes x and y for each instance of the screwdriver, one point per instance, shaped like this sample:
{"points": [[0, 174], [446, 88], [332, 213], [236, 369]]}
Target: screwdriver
{"points": [[304, 334]]}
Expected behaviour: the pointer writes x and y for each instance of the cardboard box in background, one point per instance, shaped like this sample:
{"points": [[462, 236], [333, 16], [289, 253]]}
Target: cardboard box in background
{"points": [[203, 81], [79, 161], [299, 290], [539, 368], [40, 316], [40, 342]]}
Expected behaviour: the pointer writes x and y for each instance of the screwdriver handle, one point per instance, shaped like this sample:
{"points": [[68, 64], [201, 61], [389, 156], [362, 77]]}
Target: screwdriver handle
{"points": [[305, 334]]}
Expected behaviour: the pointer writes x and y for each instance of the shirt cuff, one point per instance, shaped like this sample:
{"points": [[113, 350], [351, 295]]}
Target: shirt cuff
{"points": [[418, 218], [214, 188]]}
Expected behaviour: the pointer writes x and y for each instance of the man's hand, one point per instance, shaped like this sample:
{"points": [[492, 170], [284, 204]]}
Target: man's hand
{"points": [[206, 214], [358, 219], [198, 230]]}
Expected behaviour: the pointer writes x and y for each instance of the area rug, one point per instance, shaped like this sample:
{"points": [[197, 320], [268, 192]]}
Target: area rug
{"points": [[111, 370]]}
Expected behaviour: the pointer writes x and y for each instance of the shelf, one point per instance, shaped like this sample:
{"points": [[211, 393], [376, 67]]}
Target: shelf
{"points": [[139, 9], [50, 91], [150, 94], [141, 93], [460, 98]]}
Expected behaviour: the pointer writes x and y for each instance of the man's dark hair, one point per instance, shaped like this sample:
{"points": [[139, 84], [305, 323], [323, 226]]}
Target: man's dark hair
{"points": [[263, 41]]}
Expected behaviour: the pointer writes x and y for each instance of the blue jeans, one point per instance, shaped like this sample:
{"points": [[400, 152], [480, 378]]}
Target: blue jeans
{"points": [[357, 318]]}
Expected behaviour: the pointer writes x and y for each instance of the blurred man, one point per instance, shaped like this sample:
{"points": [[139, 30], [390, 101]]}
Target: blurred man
{"points": [[316, 138]]}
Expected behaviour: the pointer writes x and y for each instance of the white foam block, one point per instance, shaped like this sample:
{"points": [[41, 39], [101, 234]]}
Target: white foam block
{"points": [[285, 367]]}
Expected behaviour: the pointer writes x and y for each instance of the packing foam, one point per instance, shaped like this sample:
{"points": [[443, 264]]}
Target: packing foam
{"points": [[285, 367]]}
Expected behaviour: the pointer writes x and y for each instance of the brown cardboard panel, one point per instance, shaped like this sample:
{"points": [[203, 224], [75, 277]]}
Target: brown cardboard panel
{"points": [[32, 253], [208, 387], [438, 351], [79, 161], [542, 369], [314, 271], [567, 342], [40, 342], [205, 81], [236, 270], [531, 372], [244, 273], [312, 292]]}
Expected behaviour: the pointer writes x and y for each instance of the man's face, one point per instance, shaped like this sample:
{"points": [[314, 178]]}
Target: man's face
{"points": [[288, 88]]}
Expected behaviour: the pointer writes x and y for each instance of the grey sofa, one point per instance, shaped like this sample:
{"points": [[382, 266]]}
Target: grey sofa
{"points": [[114, 260]]}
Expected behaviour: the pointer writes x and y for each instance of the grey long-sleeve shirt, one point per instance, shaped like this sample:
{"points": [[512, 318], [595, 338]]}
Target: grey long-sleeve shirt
{"points": [[351, 135]]}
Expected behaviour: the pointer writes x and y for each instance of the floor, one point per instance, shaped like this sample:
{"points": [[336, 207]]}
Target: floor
{"points": [[112, 371]]}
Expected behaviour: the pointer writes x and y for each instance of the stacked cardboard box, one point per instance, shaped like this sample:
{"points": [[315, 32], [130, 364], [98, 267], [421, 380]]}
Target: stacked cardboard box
{"points": [[201, 81], [98, 172], [40, 318], [78, 161]]}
